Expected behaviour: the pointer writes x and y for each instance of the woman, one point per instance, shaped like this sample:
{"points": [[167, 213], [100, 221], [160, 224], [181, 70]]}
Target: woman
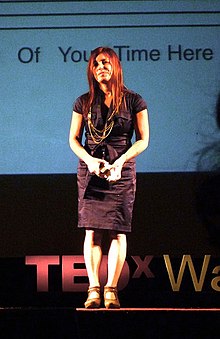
{"points": [[106, 177]]}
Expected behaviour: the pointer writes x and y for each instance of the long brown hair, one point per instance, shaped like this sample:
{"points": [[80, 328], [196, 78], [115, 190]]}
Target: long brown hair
{"points": [[116, 78]]}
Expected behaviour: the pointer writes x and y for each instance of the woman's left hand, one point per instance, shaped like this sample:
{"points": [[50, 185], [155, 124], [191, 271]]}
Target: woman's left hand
{"points": [[116, 168]]}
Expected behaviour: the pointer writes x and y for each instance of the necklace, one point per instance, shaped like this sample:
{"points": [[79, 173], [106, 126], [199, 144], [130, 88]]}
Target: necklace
{"points": [[99, 135]]}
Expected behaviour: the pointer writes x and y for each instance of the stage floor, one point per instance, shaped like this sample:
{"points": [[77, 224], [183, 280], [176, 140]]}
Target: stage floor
{"points": [[80, 323]]}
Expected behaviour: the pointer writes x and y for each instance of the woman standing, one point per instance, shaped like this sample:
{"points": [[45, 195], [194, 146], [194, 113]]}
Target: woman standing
{"points": [[106, 177]]}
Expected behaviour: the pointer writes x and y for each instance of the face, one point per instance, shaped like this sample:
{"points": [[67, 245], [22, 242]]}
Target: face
{"points": [[102, 69]]}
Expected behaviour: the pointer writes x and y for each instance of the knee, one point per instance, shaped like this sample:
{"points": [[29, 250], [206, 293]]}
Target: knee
{"points": [[93, 237], [119, 236]]}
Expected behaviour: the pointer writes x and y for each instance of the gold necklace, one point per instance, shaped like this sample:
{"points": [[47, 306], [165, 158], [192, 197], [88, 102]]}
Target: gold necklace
{"points": [[99, 135]]}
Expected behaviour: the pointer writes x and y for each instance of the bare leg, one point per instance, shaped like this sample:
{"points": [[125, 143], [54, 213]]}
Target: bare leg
{"points": [[116, 259], [92, 256]]}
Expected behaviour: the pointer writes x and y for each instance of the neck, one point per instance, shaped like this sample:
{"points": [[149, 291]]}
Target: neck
{"points": [[106, 89]]}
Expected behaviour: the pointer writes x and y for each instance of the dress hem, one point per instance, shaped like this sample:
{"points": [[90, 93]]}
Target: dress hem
{"points": [[124, 229]]}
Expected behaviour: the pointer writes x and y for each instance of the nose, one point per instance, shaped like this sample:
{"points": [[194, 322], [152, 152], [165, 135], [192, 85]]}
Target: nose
{"points": [[100, 65]]}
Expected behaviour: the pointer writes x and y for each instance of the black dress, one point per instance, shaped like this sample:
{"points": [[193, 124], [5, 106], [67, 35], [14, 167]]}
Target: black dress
{"points": [[102, 204]]}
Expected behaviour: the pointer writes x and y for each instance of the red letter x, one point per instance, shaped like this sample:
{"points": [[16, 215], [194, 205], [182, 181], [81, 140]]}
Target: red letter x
{"points": [[142, 266]]}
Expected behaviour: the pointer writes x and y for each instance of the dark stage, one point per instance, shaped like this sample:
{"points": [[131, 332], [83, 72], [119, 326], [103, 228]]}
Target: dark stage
{"points": [[170, 287], [155, 323]]}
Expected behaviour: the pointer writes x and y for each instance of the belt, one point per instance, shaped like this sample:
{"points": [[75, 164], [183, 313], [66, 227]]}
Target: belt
{"points": [[108, 147]]}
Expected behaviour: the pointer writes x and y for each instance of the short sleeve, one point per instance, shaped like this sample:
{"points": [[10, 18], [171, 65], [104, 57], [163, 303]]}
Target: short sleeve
{"points": [[77, 105], [80, 103], [139, 104]]}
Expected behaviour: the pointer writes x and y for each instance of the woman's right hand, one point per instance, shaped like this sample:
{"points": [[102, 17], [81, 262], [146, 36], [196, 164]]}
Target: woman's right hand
{"points": [[94, 165]]}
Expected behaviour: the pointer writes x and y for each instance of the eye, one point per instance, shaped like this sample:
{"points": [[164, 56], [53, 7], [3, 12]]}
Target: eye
{"points": [[95, 64]]}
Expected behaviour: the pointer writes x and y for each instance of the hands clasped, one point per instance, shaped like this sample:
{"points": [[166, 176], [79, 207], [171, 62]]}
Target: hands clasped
{"points": [[105, 170], [110, 172]]}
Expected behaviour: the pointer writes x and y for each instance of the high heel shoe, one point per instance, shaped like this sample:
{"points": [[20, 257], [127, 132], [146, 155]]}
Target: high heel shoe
{"points": [[111, 302], [93, 302]]}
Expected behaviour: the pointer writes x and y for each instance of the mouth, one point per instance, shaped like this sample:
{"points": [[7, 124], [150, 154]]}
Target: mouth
{"points": [[103, 73]]}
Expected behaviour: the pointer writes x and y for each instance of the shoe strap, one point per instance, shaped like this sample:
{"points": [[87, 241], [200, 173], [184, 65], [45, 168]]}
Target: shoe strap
{"points": [[94, 289], [110, 289]]}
